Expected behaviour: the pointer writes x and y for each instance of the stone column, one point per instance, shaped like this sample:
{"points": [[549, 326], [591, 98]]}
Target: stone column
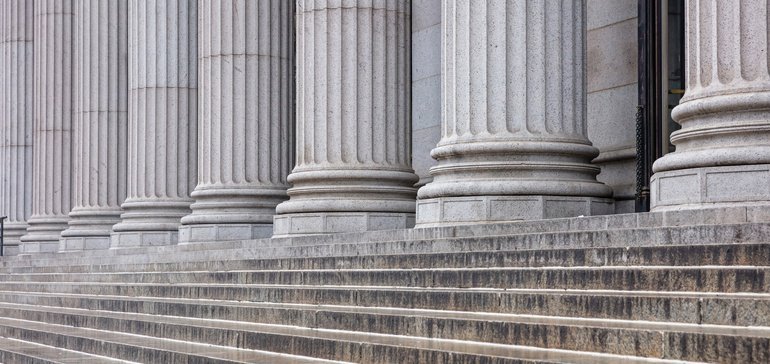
{"points": [[100, 119], [514, 144], [722, 155], [16, 118], [353, 168], [162, 126], [52, 144], [246, 123]]}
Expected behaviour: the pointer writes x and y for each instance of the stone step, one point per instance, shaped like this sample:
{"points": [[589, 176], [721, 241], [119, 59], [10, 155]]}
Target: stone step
{"points": [[14, 351], [665, 219], [637, 338], [696, 308], [642, 237], [678, 255], [657, 278], [418, 333], [137, 347]]}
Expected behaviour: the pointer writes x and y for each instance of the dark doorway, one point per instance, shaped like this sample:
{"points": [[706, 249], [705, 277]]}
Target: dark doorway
{"points": [[661, 86]]}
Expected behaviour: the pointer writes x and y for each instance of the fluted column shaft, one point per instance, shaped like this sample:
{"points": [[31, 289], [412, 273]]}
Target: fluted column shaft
{"points": [[16, 118], [514, 143], [353, 168], [162, 112], [246, 122], [101, 120], [52, 136], [722, 153]]}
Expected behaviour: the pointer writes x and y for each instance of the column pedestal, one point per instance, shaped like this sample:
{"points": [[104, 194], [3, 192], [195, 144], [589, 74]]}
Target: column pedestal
{"points": [[162, 129], [53, 102], [353, 169], [514, 143], [101, 120], [16, 118], [722, 155], [247, 119]]}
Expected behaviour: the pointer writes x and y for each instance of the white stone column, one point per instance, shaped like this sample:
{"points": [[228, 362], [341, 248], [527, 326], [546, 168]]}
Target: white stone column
{"points": [[246, 122], [514, 144], [100, 122], [722, 155], [16, 118], [353, 168], [162, 112], [52, 137]]}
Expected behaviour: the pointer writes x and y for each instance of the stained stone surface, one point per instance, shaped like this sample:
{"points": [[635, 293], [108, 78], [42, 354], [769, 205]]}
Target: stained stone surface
{"points": [[722, 155], [16, 118], [162, 126], [514, 142], [100, 123], [52, 138], [353, 169], [246, 123]]}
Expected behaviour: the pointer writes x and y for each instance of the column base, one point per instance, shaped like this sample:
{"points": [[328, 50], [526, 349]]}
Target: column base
{"points": [[447, 211], [339, 222], [11, 236], [725, 186], [43, 234], [89, 229], [200, 233]]}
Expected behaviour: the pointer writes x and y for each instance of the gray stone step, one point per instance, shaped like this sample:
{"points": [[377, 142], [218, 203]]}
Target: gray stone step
{"points": [[688, 235], [696, 308], [657, 278], [14, 351], [607, 336], [650, 341], [135, 347], [666, 219], [679, 255]]}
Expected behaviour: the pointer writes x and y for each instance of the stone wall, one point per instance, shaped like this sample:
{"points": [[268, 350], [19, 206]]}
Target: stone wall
{"points": [[611, 70]]}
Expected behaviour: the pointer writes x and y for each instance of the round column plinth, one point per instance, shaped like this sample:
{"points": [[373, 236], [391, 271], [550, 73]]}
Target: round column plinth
{"points": [[12, 234], [89, 229], [43, 235]]}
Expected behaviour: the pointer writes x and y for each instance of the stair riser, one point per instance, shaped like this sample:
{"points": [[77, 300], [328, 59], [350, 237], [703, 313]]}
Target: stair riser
{"points": [[694, 235], [688, 280], [114, 350], [8, 357], [327, 349], [626, 342], [736, 254], [718, 311]]}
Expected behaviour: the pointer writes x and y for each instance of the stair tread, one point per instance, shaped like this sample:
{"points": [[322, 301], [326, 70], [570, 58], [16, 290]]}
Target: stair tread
{"points": [[763, 332], [53, 354], [457, 346], [205, 350]]}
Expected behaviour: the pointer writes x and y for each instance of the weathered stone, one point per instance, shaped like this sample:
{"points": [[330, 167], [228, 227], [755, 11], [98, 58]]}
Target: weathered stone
{"points": [[16, 118], [52, 137], [246, 123], [353, 168], [100, 123], [162, 125], [513, 150], [722, 157]]}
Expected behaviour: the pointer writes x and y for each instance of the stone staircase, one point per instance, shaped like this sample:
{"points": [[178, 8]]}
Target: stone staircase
{"points": [[642, 288]]}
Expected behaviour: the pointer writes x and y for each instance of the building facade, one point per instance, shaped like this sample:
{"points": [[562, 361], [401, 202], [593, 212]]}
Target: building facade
{"points": [[153, 122]]}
